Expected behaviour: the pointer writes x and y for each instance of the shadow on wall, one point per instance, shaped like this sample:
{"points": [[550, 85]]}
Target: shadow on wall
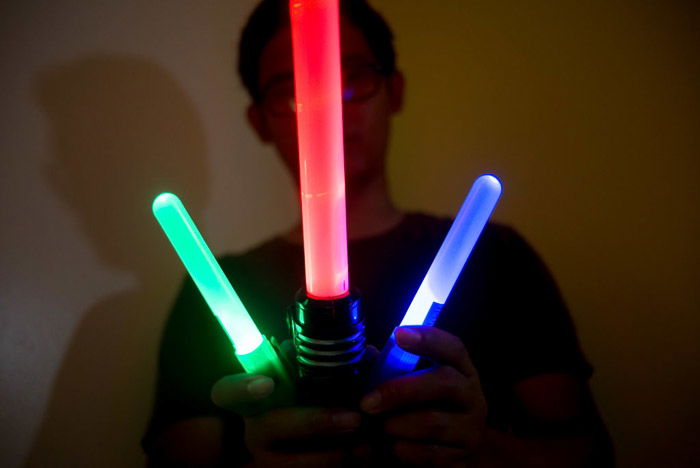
{"points": [[122, 130]]}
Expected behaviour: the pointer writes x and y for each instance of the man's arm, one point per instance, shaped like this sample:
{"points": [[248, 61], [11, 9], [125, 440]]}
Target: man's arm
{"points": [[290, 436], [436, 417], [191, 442], [560, 426]]}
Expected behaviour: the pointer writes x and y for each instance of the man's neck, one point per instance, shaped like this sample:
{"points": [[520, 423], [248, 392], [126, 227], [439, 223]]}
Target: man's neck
{"points": [[369, 209]]}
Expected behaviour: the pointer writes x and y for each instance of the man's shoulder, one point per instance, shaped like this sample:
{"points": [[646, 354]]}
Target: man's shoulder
{"points": [[270, 249], [423, 224], [499, 245], [272, 268]]}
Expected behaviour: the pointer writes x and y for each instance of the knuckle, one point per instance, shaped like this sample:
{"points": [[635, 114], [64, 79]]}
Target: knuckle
{"points": [[445, 339], [456, 345], [404, 451], [472, 441], [416, 454], [435, 423], [390, 392], [451, 381], [251, 435], [448, 374], [319, 421]]}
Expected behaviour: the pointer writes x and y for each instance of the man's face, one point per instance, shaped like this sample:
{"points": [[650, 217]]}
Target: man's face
{"points": [[366, 120]]}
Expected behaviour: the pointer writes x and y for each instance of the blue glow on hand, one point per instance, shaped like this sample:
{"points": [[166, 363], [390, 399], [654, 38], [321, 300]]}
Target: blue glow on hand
{"points": [[392, 362]]}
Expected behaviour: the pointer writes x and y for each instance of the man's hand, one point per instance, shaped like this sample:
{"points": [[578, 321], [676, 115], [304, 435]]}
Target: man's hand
{"points": [[434, 417], [301, 436], [292, 436]]}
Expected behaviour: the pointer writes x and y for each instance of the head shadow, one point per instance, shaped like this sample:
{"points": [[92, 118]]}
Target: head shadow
{"points": [[122, 130]]}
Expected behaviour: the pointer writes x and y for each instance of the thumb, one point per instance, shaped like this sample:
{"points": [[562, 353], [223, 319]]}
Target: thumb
{"points": [[233, 390]]}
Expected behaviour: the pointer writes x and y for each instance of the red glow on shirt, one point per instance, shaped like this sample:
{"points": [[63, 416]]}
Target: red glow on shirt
{"points": [[316, 45]]}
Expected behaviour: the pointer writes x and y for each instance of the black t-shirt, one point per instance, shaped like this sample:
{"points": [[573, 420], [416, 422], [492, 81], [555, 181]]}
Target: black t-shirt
{"points": [[505, 307]]}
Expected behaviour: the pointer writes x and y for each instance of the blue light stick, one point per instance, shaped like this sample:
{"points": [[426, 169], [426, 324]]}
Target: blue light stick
{"points": [[442, 275]]}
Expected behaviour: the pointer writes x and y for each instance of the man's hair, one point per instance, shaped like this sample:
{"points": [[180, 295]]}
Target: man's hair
{"points": [[272, 15]]}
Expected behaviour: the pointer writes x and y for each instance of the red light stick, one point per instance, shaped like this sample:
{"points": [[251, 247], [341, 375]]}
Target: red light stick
{"points": [[316, 46], [327, 321]]}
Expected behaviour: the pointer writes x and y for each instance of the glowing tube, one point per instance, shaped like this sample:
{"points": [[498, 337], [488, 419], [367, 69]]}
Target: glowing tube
{"points": [[254, 352], [316, 47], [454, 251], [443, 272]]}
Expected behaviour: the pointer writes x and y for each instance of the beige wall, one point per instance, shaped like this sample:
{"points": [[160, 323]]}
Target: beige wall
{"points": [[104, 104], [588, 111]]}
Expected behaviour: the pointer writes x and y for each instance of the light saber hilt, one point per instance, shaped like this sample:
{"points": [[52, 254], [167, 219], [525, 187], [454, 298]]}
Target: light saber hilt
{"points": [[329, 338]]}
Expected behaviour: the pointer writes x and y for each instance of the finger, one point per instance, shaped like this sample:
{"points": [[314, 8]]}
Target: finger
{"points": [[439, 427], [443, 385], [371, 353], [427, 425], [418, 454], [361, 453], [233, 390], [297, 423], [288, 349], [305, 460], [435, 344]]}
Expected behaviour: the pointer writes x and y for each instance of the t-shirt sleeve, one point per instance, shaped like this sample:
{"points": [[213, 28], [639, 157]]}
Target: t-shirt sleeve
{"points": [[536, 332], [195, 353]]}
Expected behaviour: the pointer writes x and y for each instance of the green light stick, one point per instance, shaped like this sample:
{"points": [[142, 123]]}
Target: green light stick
{"points": [[253, 350]]}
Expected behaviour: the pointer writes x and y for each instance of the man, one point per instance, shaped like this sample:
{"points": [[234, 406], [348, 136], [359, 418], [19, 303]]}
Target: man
{"points": [[508, 387]]}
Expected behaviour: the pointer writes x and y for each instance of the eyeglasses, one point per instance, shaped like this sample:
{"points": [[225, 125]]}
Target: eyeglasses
{"points": [[359, 83]]}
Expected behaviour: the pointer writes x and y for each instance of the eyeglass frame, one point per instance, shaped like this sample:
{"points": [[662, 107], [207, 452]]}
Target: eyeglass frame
{"points": [[379, 74]]}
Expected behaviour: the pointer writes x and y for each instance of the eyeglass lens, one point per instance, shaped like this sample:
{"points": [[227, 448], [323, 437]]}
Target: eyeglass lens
{"points": [[359, 83]]}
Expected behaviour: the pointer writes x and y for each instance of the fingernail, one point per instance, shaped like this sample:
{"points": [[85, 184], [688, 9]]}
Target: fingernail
{"points": [[407, 337], [260, 386], [345, 419], [370, 403]]}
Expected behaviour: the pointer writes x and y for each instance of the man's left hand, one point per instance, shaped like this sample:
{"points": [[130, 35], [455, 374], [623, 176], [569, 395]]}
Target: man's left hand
{"points": [[432, 417]]}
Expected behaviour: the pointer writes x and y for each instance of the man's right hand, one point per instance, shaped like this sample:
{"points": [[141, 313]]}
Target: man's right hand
{"points": [[291, 436]]}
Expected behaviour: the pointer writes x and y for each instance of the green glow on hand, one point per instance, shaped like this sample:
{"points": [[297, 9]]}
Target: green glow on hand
{"points": [[213, 284], [263, 360]]}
